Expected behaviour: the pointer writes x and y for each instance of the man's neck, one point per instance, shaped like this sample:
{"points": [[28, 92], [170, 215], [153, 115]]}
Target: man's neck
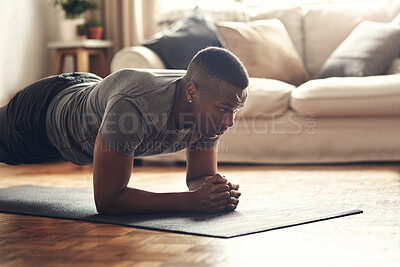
{"points": [[183, 115]]}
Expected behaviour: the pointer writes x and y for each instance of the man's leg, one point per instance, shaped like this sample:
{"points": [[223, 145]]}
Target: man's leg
{"points": [[23, 137], [4, 155]]}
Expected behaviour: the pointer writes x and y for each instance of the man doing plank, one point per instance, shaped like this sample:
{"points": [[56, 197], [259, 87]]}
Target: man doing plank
{"points": [[81, 118]]}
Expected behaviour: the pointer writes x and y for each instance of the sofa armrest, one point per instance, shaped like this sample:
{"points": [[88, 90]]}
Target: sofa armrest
{"points": [[136, 57]]}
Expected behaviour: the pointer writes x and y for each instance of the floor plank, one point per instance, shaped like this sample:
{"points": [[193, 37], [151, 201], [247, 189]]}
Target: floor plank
{"points": [[368, 239]]}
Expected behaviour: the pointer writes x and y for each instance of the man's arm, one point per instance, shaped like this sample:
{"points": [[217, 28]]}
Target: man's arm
{"points": [[202, 165], [111, 174]]}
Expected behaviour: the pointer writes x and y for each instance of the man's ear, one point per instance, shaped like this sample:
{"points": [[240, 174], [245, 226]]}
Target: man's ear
{"points": [[191, 92]]}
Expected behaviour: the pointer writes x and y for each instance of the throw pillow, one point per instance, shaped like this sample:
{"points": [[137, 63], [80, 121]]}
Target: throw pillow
{"points": [[183, 39], [369, 50], [265, 48]]}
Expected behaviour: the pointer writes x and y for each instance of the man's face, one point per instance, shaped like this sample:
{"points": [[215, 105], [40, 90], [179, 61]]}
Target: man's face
{"points": [[214, 114]]}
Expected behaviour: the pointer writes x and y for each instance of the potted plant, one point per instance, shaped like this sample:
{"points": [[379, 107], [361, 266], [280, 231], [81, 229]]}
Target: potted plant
{"points": [[73, 10], [94, 29], [82, 31]]}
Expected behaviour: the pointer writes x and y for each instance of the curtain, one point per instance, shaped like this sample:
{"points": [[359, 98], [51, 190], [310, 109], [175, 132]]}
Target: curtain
{"points": [[128, 22]]}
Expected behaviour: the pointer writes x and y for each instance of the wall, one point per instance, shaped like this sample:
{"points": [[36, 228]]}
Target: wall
{"points": [[26, 26]]}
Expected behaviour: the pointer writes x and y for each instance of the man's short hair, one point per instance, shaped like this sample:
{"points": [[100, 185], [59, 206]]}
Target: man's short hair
{"points": [[214, 64]]}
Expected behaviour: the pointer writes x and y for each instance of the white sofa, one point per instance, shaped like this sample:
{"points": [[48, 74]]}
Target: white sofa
{"points": [[341, 119]]}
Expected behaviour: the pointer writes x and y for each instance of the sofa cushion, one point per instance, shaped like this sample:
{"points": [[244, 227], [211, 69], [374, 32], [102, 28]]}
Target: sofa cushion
{"points": [[369, 50], [267, 98], [291, 17], [265, 48], [349, 96], [183, 39], [327, 25]]}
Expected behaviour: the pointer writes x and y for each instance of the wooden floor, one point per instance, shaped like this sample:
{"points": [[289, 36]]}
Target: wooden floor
{"points": [[368, 239]]}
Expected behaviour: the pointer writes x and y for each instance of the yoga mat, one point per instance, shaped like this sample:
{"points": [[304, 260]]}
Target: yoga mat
{"points": [[78, 204]]}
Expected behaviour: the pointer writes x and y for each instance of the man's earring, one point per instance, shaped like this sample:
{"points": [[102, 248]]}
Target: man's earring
{"points": [[190, 101]]}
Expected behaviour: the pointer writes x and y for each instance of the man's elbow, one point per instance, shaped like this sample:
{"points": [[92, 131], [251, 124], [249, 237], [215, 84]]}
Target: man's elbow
{"points": [[102, 210], [105, 207]]}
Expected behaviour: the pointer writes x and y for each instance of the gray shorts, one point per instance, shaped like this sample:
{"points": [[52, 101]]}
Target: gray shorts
{"points": [[23, 137]]}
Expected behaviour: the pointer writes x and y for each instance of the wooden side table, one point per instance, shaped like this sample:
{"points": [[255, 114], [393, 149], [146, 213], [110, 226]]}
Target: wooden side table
{"points": [[81, 50]]}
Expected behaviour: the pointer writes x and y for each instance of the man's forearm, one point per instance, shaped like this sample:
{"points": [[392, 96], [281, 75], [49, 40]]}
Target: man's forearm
{"points": [[196, 182], [132, 200]]}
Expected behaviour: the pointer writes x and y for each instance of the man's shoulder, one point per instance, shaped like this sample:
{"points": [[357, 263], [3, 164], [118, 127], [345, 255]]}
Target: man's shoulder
{"points": [[145, 93], [151, 76], [126, 73]]}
